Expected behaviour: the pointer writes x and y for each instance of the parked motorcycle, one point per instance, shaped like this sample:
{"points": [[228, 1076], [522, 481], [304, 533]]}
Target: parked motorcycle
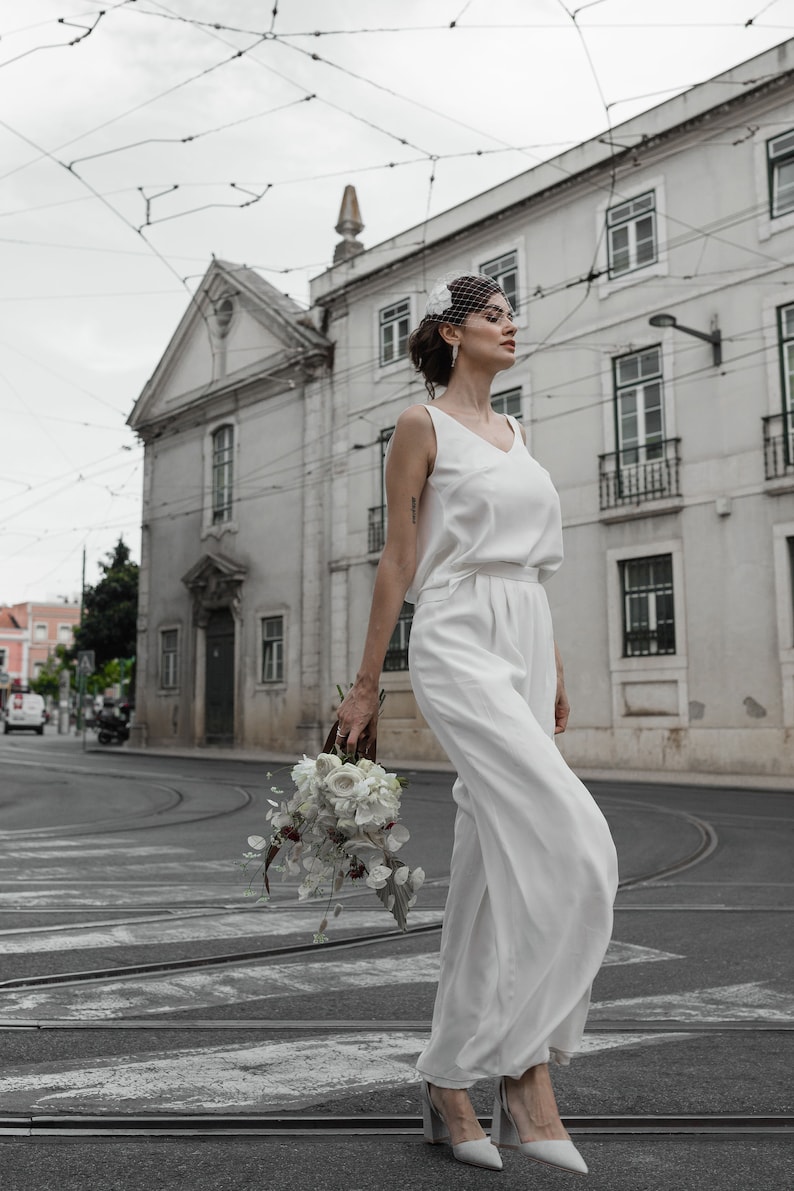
{"points": [[112, 728]]}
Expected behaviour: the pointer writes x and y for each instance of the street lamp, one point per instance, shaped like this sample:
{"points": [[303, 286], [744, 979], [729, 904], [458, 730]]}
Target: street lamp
{"points": [[714, 337]]}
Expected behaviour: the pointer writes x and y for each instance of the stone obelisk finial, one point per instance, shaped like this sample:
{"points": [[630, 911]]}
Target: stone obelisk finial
{"points": [[349, 225]]}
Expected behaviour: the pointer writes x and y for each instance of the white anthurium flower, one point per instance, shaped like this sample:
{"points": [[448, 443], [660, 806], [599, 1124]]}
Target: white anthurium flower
{"points": [[326, 762], [398, 835], [401, 875], [361, 847], [417, 879], [257, 842], [377, 876]]}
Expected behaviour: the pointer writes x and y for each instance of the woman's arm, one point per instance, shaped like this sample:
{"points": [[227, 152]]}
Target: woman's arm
{"points": [[562, 708], [410, 461]]}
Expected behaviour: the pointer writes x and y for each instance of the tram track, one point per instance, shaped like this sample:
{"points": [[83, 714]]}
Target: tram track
{"points": [[707, 842], [216, 1124]]}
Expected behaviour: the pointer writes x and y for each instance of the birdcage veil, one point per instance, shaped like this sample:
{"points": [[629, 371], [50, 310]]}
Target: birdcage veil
{"points": [[452, 299], [458, 294]]}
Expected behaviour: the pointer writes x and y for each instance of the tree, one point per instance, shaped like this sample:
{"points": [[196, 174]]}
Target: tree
{"points": [[48, 680], [110, 610]]}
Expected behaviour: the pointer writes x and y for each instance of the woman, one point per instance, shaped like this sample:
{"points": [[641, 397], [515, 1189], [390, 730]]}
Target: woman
{"points": [[473, 524]]}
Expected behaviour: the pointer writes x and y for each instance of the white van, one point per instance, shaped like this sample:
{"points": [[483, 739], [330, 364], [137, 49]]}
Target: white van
{"points": [[24, 713]]}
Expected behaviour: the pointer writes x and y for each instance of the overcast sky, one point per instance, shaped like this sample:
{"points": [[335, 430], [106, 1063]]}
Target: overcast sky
{"points": [[109, 216]]}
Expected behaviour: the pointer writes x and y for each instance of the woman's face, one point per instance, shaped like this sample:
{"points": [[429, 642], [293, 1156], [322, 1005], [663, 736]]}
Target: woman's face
{"points": [[488, 336]]}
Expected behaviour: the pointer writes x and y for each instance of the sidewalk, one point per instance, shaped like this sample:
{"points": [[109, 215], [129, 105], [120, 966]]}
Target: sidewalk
{"points": [[728, 781]]}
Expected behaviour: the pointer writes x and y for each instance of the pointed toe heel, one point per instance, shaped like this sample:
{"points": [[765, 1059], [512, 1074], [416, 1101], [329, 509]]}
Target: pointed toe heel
{"points": [[473, 1153], [562, 1154]]}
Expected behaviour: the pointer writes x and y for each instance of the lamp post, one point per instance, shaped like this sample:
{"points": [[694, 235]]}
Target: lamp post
{"points": [[714, 337]]}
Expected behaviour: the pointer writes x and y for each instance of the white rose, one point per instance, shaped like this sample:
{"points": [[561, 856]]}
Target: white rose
{"points": [[345, 782], [365, 765], [325, 763]]}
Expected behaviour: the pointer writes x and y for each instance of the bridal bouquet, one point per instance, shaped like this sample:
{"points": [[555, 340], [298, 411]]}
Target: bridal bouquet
{"points": [[341, 823]]}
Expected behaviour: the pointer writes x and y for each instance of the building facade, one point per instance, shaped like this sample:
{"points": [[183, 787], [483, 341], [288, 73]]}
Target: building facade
{"points": [[233, 531], [29, 633], [652, 278]]}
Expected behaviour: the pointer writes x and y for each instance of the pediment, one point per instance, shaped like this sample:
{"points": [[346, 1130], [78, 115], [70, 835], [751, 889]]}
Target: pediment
{"points": [[237, 327], [212, 568]]}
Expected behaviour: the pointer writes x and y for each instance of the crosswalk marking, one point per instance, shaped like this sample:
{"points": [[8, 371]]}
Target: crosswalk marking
{"points": [[231, 984], [244, 924], [732, 1002], [259, 1077]]}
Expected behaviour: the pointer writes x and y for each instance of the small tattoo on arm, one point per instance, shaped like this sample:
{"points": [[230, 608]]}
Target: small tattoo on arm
{"points": [[413, 510]]}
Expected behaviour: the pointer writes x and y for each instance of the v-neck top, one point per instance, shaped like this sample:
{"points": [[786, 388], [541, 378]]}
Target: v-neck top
{"points": [[482, 507]]}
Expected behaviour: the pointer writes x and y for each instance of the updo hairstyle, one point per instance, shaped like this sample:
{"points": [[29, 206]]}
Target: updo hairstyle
{"points": [[429, 353]]}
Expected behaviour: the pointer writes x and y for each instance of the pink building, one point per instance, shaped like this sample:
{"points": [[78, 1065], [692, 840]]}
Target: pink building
{"points": [[12, 652], [30, 632]]}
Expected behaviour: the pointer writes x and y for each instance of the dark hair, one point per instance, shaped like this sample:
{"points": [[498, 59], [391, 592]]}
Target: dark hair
{"points": [[429, 353]]}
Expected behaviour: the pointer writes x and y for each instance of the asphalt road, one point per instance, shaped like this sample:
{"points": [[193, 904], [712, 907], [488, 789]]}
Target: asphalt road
{"points": [[142, 992]]}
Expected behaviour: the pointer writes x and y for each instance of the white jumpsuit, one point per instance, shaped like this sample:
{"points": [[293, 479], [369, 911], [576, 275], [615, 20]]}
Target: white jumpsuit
{"points": [[534, 871]]}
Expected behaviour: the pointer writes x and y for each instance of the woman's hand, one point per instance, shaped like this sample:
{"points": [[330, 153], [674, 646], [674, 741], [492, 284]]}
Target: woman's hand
{"points": [[562, 708], [358, 715]]}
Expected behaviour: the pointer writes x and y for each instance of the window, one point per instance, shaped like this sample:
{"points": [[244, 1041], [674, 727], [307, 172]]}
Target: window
{"points": [[40, 632], [376, 526], [631, 234], [224, 312], [394, 327], [273, 649], [639, 415], [222, 474], [169, 655], [780, 170], [3, 658], [648, 610], [397, 652], [504, 271], [790, 545], [508, 402], [65, 634], [37, 669], [786, 348]]}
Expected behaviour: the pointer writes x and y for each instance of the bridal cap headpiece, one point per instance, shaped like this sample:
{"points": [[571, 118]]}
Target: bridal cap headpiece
{"points": [[458, 294]]}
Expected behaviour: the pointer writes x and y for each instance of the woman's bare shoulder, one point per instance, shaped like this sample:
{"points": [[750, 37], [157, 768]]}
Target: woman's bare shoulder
{"points": [[415, 419]]}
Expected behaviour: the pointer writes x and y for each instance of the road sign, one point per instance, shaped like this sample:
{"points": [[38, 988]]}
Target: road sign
{"points": [[4, 678], [85, 662]]}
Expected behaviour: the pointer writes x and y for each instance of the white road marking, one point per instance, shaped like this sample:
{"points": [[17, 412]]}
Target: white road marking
{"points": [[231, 984], [262, 1077], [245, 924], [104, 894], [732, 1002]]}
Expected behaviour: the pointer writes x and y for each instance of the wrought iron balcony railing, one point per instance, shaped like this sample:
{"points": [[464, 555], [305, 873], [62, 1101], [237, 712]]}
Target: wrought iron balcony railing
{"points": [[639, 474], [778, 446], [376, 529]]}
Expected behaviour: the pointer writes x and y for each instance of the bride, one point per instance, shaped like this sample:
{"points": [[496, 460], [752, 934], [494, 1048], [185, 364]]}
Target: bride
{"points": [[474, 528]]}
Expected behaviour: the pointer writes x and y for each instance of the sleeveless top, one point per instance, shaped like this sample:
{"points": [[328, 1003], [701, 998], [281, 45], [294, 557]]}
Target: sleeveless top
{"points": [[483, 508]]}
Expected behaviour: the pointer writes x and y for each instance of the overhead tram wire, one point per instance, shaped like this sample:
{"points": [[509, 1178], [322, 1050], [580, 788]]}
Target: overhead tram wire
{"points": [[287, 484]]}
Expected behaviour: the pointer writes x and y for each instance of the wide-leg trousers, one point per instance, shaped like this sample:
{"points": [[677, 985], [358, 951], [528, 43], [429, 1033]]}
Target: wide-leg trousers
{"points": [[534, 870]]}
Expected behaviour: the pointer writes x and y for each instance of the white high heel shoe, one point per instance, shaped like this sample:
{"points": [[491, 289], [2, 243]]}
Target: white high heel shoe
{"points": [[562, 1153], [475, 1153]]}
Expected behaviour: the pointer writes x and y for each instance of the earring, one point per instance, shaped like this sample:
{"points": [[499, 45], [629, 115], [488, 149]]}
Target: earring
{"points": [[454, 353]]}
